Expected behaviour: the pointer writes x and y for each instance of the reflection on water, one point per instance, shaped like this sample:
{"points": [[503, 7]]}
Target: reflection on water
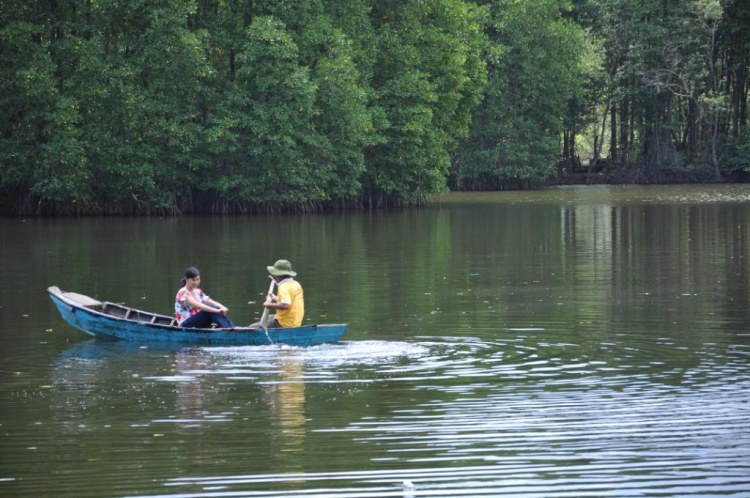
{"points": [[284, 397], [524, 413], [192, 395], [287, 401], [567, 342]]}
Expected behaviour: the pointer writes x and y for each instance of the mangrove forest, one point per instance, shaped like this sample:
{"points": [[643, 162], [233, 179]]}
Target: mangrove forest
{"points": [[238, 106]]}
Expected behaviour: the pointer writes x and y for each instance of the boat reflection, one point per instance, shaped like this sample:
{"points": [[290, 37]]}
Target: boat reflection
{"points": [[192, 395], [205, 397]]}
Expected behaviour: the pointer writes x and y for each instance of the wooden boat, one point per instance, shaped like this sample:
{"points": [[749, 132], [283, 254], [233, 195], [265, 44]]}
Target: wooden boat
{"points": [[115, 321]]}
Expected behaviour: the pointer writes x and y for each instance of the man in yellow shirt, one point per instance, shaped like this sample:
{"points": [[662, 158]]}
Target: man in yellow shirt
{"points": [[289, 303]]}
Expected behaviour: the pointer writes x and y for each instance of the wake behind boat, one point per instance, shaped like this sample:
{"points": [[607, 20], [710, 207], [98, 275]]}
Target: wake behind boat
{"points": [[115, 321]]}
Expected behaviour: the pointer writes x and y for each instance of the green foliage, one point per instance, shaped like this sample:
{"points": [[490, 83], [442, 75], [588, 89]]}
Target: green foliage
{"points": [[677, 83], [535, 55], [211, 105], [270, 111], [737, 154], [170, 105], [428, 76], [27, 97]]}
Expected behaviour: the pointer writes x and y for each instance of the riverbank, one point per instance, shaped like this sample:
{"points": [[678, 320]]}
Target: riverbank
{"points": [[639, 177], [203, 203]]}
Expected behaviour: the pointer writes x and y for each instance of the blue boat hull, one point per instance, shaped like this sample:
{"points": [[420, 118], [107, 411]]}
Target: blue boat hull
{"points": [[102, 325]]}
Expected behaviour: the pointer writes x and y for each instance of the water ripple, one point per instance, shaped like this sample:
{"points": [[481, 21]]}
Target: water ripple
{"points": [[530, 416]]}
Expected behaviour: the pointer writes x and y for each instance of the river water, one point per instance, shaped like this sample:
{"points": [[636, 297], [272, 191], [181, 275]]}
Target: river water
{"points": [[565, 342]]}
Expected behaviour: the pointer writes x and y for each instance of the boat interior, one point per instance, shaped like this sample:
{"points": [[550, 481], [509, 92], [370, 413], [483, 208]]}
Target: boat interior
{"points": [[120, 311], [116, 310]]}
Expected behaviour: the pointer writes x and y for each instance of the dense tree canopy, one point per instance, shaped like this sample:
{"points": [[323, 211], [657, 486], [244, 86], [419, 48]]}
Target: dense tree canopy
{"points": [[234, 106], [676, 86], [534, 56]]}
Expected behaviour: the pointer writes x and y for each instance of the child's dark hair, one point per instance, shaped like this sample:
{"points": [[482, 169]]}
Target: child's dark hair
{"points": [[191, 272]]}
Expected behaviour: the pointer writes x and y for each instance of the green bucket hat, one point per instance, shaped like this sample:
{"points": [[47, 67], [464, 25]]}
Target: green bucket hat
{"points": [[281, 267]]}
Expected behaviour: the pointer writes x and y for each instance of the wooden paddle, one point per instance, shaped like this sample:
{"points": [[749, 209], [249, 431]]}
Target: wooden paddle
{"points": [[266, 311]]}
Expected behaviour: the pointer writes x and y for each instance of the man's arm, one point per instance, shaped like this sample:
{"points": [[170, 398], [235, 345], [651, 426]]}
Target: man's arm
{"points": [[271, 303]]}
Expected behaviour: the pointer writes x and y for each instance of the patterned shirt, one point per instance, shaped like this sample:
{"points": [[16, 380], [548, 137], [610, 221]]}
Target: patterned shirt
{"points": [[182, 308]]}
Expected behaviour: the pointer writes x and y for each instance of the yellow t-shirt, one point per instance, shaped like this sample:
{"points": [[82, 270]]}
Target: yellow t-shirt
{"points": [[290, 291]]}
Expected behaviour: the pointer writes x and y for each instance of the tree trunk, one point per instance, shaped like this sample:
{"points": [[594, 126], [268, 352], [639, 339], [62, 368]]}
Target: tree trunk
{"points": [[737, 100], [668, 148], [623, 155], [692, 127], [613, 135], [714, 135], [715, 128], [573, 146], [648, 136], [743, 98]]}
